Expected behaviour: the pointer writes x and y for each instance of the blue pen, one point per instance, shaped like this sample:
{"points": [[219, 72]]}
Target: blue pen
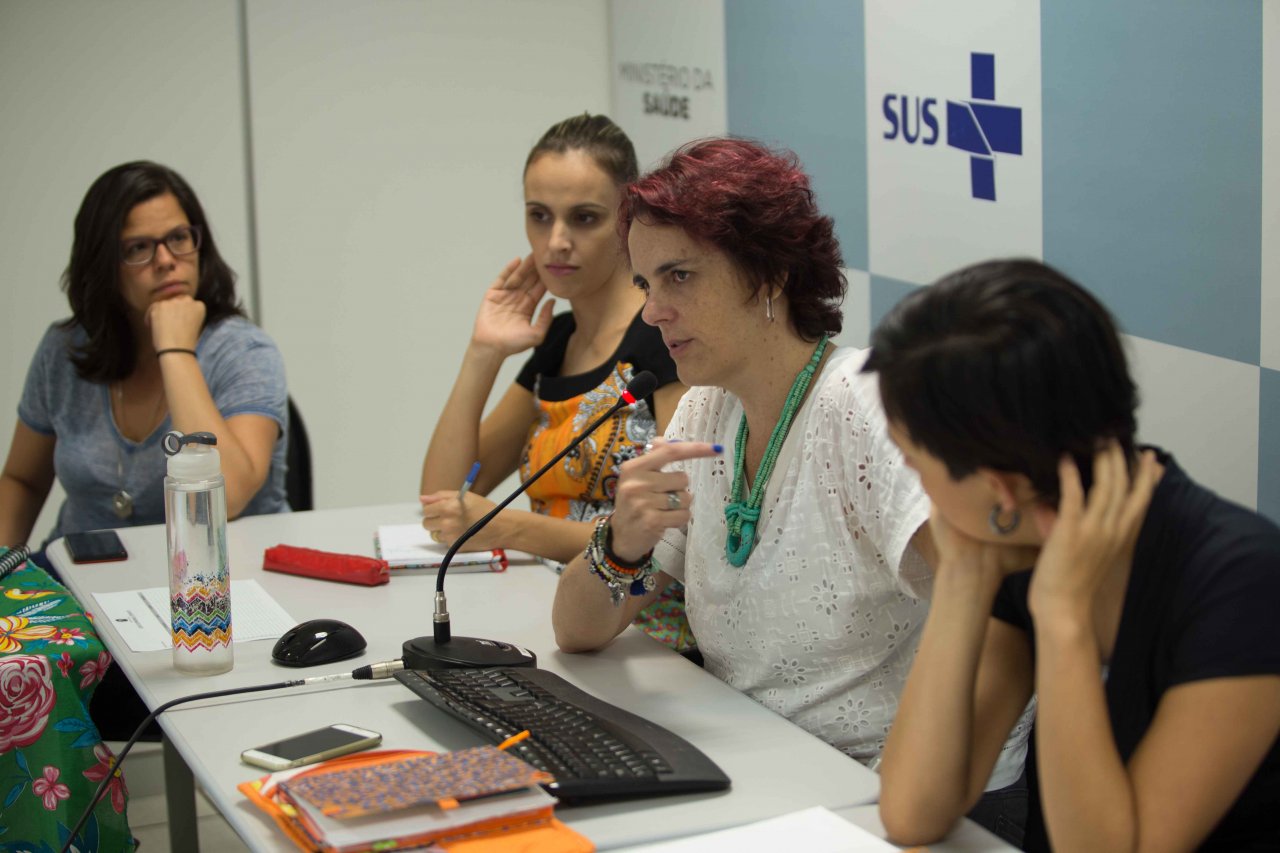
{"points": [[470, 481]]}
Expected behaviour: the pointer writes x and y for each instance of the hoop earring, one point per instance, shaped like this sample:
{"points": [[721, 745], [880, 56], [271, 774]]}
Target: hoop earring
{"points": [[999, 529], [768, 307]]}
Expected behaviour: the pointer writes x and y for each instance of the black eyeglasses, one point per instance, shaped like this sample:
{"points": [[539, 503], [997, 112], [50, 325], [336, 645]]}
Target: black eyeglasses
{"points": [[182, 240]]}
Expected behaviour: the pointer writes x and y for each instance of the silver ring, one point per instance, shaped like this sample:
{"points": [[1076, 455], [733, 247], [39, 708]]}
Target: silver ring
{"points": [[648, 445], [673, 500]]}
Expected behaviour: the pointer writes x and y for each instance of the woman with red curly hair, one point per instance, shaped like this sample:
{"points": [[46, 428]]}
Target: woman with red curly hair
{"points": [[777, 497]]}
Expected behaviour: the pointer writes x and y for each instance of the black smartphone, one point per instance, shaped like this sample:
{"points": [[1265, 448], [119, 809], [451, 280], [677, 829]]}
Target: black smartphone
{"points": [[95, 546], [311, 747]]}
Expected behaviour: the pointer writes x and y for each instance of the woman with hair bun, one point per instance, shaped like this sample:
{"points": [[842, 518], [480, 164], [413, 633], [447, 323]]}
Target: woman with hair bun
{"points": [[580, 361]]}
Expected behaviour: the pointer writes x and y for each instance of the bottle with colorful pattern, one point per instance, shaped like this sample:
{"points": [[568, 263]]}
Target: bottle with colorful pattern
{"points": [[195, 512]]}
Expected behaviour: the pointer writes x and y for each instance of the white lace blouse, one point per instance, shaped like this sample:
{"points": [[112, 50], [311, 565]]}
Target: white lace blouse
{"points": [[822, 622]]}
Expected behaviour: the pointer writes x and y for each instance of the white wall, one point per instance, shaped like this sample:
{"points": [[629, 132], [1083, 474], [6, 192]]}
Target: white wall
{"points": [[389, 139], [389, 145]]}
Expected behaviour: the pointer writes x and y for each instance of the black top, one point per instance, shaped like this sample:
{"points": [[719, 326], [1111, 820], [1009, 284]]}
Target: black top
{"points": [[1201, 603], [640, 346]]}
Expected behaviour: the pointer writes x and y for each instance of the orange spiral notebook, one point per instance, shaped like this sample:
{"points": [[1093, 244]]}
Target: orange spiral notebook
{"points": [[468, 801]]}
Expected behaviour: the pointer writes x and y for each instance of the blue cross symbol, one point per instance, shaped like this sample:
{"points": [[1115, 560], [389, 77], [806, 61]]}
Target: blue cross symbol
{"points": [[982, 127]]}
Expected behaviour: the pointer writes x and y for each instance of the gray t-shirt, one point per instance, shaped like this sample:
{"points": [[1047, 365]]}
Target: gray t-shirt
{"points": [[245, 375]]}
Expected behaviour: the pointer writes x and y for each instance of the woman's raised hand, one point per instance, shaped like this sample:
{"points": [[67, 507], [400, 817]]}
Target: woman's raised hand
{"points": [[506, 321], [649, 500], [1089, 535]]}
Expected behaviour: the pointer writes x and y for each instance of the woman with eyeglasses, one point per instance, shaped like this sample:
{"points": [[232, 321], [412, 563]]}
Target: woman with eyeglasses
{"points": [[156, 341]]}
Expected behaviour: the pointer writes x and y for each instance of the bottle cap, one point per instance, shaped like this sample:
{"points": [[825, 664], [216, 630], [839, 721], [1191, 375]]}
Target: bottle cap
{"points": [[192, 456]]}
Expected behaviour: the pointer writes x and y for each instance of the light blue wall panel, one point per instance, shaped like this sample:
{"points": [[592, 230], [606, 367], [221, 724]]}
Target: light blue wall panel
{"points": [[796, 78], [1152, 163], [885, 293], [1269, 444]]}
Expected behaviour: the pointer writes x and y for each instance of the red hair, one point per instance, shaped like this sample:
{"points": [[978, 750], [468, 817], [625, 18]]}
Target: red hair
{"points": [[757, 207]]}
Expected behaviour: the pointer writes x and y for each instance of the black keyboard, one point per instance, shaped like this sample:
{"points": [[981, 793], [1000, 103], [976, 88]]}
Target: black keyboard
{"points": [[594, 749]]}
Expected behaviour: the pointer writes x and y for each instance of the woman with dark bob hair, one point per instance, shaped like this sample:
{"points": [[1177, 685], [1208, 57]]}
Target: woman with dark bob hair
{"points": [[1146, 627], [156, 341], [777, 497]]}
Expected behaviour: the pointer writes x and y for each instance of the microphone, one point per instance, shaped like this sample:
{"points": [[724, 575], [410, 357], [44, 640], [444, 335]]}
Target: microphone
{"points": [[444, 651]]}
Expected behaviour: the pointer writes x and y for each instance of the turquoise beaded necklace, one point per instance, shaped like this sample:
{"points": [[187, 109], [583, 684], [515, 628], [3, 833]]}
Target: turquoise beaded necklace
{"points": [[742, 517]]}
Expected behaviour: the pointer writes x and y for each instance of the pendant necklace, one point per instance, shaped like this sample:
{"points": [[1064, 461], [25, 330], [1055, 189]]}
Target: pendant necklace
{"points": [[742, 516], [122, 501]]}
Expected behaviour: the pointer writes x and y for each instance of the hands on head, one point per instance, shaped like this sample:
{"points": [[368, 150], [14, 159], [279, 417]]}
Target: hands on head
{"points": [[1089, 536], [1084, 539], [506, 321], [958, 551], [650, 500]]}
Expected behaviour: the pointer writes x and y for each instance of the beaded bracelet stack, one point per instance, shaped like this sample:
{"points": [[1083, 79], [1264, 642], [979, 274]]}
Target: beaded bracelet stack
{"points": [[621, 577]]}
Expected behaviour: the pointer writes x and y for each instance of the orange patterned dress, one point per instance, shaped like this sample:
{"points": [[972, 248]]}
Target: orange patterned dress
{"points": [[582, 487]]}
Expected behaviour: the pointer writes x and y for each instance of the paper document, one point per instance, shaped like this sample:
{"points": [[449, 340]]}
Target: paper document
{"points": [[409, 546], [141, 616], [814, 830]]}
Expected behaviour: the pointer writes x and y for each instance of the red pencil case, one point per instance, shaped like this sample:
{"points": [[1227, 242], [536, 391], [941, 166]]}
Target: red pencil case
{"points": [[326, 565]]}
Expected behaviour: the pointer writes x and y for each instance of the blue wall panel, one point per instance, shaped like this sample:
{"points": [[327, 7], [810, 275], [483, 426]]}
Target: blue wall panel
{"points": [[1269, 444], [885, 293], [1152, 164], [796, 78]]}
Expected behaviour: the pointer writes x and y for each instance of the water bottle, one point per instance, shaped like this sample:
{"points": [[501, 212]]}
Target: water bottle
{"points": [[195, 514]]}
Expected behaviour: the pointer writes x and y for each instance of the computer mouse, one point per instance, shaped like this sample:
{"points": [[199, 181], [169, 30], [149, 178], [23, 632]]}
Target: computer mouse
{"points": [[317, 641]]}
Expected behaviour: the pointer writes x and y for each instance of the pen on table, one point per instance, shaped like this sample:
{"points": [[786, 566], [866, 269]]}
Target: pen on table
{"points": [[515, 739], [470, 481]]}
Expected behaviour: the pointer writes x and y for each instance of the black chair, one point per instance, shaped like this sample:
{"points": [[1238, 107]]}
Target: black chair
{"points": [[297, 478]]}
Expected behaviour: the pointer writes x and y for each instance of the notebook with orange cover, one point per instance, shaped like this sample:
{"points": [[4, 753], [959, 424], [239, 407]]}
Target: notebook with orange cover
{"points": [[470, 800]]}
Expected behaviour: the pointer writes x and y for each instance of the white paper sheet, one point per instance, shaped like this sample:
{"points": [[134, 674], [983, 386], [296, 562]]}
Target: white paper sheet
{"points": [[141, 616], [814, 830]]}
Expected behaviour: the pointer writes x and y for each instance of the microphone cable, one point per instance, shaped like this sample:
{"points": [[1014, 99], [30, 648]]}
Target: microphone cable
{"points": [[371, 672]]}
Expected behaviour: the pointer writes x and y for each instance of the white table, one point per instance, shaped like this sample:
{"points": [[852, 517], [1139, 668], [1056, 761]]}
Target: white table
{"points": [[967, 837], [775, 766]]}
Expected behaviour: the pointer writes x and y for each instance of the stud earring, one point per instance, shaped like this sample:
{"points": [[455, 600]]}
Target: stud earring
{"points": [[1015, 518]]}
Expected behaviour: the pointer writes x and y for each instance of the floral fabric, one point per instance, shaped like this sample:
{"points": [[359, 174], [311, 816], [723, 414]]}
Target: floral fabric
{"points": [[51, 756]]}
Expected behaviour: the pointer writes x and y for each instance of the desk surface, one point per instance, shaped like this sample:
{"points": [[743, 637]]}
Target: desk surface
{"points": [[775, 766]]}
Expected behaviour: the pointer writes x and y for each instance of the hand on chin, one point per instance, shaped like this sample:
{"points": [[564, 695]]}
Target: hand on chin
{"points": [[175, 322]]}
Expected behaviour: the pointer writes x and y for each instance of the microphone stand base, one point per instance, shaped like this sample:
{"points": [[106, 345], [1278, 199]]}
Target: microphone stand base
{"points": [[464, 653]]}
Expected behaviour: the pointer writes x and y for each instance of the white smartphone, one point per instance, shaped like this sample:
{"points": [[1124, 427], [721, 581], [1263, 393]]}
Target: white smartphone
{"points": [[329, 742]]}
